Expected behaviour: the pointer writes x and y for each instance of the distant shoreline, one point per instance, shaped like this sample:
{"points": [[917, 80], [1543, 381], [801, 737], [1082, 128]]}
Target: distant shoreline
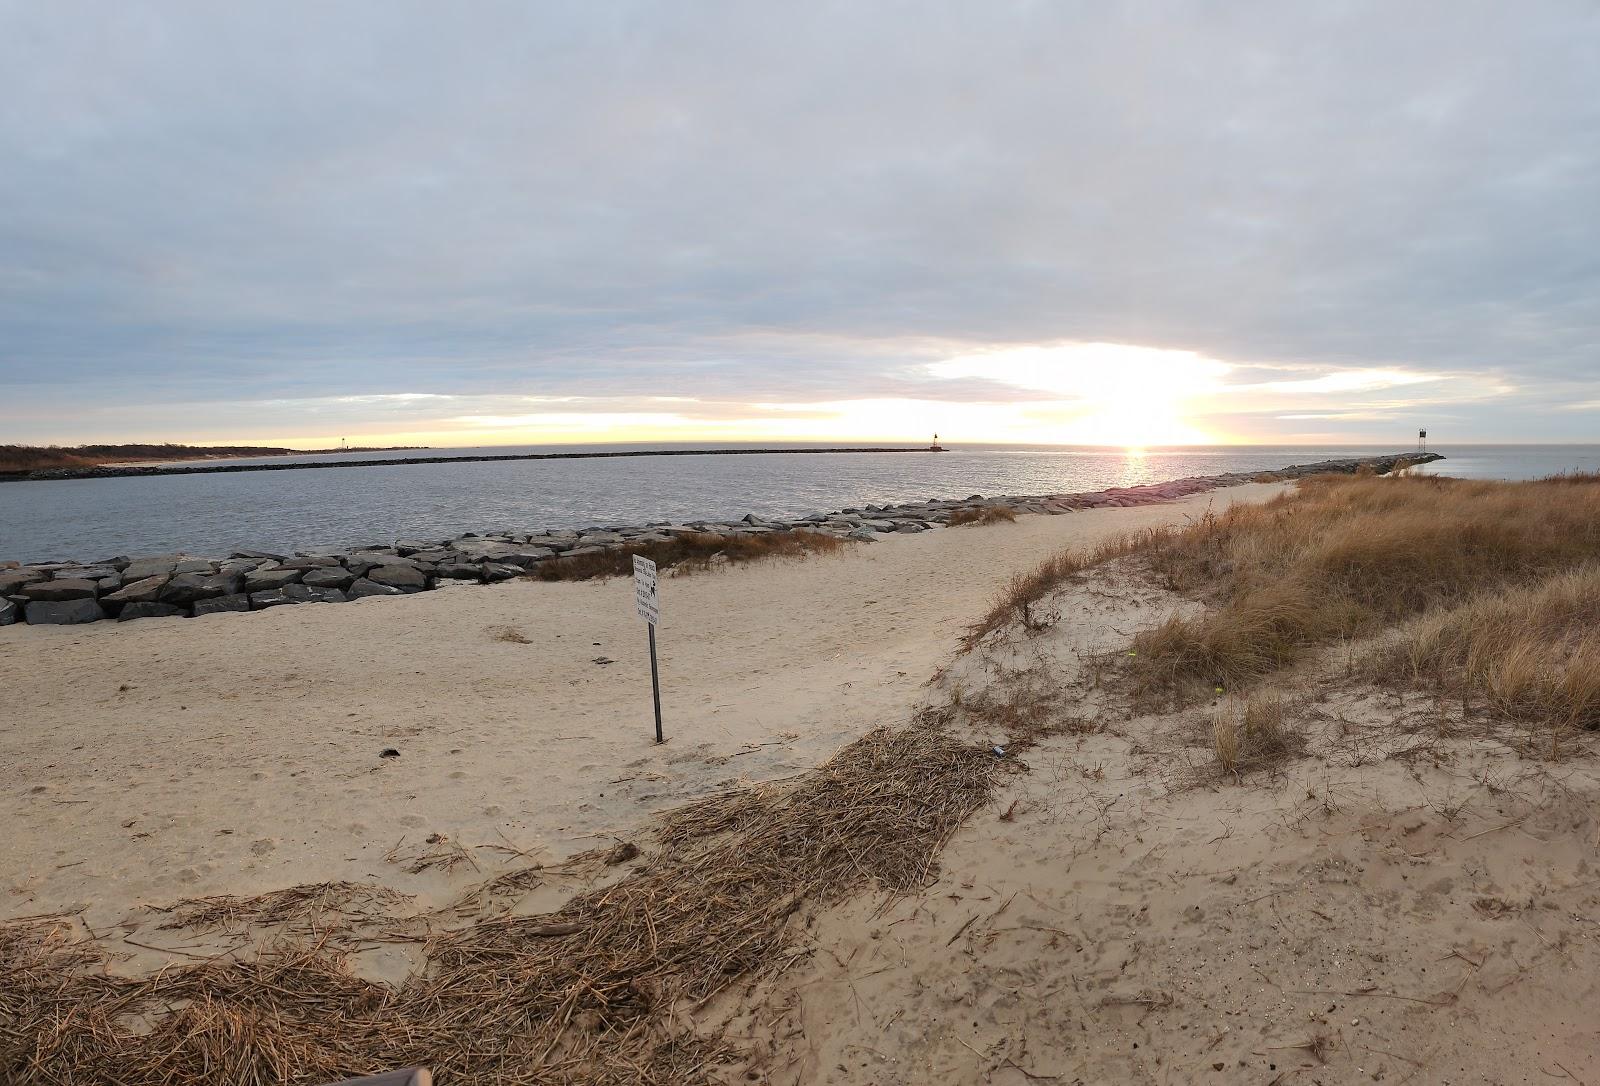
{"points": [[110, 471]]}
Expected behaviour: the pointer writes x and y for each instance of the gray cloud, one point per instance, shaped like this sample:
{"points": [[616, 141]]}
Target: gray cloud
{"points": [[752, 202]]}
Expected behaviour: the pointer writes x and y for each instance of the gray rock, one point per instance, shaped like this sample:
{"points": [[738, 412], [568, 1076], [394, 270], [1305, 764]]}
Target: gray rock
{"points": [[9, 612], [12, 580], [863, 535], [527, 556], [140, 568], [460, 571], [143, 591], [271, 597], [910, 526], [355, 565], [500, 571], [190, 587], [195, 565], [328, 578], [408, 546], [364, 587], [309, 561], [257, 554], [55, 591], [483, 548], [304, 593], [146, 609], [87, 573], [397, 576], [431, 555], [64, 613], [237, 601], [265, 580]]}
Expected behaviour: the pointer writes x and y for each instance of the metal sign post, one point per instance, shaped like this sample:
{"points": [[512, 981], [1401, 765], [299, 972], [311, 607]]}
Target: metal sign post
{"points": [[648, 605]]}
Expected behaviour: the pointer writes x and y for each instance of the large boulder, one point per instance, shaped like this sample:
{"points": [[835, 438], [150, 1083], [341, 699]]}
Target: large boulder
{"points": [[64, 613], [500, 571], [12, 580], [237, 601], [364, 587], [187, 588], [328, 578], [312, 561], [304, 593], [9, 612], [195, 565], [526, 557], [460, 570], [140, 568], [87, 573], [271, 597], [146, 591], [150, 610], [407, 546], [268, 555], [68, 588], [265, 580], [397, 576]]}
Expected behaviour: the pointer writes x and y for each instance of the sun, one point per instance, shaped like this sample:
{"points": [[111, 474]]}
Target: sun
{"points": [[1104, 393]]}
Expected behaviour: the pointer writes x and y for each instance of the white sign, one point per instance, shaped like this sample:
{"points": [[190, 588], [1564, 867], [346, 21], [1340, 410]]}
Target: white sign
{"points": [[644, 590]]}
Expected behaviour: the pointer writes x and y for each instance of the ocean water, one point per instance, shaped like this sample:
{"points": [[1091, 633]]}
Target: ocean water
{"points": [[85, 519]]}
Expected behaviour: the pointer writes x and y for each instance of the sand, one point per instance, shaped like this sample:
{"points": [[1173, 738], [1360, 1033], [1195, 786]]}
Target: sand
{"points": [[1417, 900], [238, 754]]}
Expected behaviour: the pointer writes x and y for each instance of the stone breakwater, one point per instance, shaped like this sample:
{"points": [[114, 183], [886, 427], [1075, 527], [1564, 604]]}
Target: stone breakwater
{"points": [[181, 585]]}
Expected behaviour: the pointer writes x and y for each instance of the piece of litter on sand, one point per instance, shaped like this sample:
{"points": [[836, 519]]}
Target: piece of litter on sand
{"points": [[999, 751], [388, 752], [603, 660]]}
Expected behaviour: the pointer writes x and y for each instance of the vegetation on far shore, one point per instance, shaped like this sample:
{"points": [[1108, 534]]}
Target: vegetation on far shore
{"points": [[24, 458]]}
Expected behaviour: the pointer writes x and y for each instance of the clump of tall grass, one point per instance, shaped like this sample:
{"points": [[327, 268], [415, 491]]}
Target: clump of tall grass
{"points": [[1348, 557], [1532, 652], [982, 514], [1253, 734], [688, 552]]}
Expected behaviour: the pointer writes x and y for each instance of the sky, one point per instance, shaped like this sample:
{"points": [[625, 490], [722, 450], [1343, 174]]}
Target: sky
{"points": [[1042, 222]]}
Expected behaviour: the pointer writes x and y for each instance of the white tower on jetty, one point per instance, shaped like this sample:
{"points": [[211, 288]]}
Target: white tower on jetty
{"points": [[1422, 441]]}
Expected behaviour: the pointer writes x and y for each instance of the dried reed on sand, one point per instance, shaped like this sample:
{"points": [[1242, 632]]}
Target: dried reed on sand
{"points": [[584, 994]]}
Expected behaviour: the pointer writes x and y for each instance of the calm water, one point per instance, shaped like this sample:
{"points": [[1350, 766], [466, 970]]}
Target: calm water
{"points": [[213, 514]]}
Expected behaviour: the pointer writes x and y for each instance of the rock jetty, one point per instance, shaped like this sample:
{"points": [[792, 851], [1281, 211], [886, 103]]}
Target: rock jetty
{"points": [[182, 585]]}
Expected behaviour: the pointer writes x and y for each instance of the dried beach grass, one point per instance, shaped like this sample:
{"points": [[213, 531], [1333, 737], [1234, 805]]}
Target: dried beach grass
{"points": [[691, 552], [585, 994], [1532, 652], [1347, 557], [295, 903], [982, 514], [1253, 734]]}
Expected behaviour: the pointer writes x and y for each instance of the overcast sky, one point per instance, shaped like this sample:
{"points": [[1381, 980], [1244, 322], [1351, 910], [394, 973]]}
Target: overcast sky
{"points": [[508, 222]]}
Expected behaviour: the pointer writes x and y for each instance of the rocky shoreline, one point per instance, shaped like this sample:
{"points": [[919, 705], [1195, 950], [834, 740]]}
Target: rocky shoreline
{"points": [[181, 585]]}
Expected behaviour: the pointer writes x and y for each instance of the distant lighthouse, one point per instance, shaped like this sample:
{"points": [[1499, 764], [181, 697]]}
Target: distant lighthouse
{"points": [[936, 447], [1422, 441]]}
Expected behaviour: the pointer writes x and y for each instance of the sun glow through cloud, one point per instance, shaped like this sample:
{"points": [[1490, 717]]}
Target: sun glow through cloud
{"points": [[1108, 393]]}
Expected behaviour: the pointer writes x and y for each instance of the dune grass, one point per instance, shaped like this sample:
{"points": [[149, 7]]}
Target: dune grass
{"points": [[690, 552], [982, 514], [1253, 734], [1350, 557], [1532, 652]]}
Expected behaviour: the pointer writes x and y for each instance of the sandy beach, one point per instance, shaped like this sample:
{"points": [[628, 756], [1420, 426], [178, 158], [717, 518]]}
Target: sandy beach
{"points": [[238, 754]]}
